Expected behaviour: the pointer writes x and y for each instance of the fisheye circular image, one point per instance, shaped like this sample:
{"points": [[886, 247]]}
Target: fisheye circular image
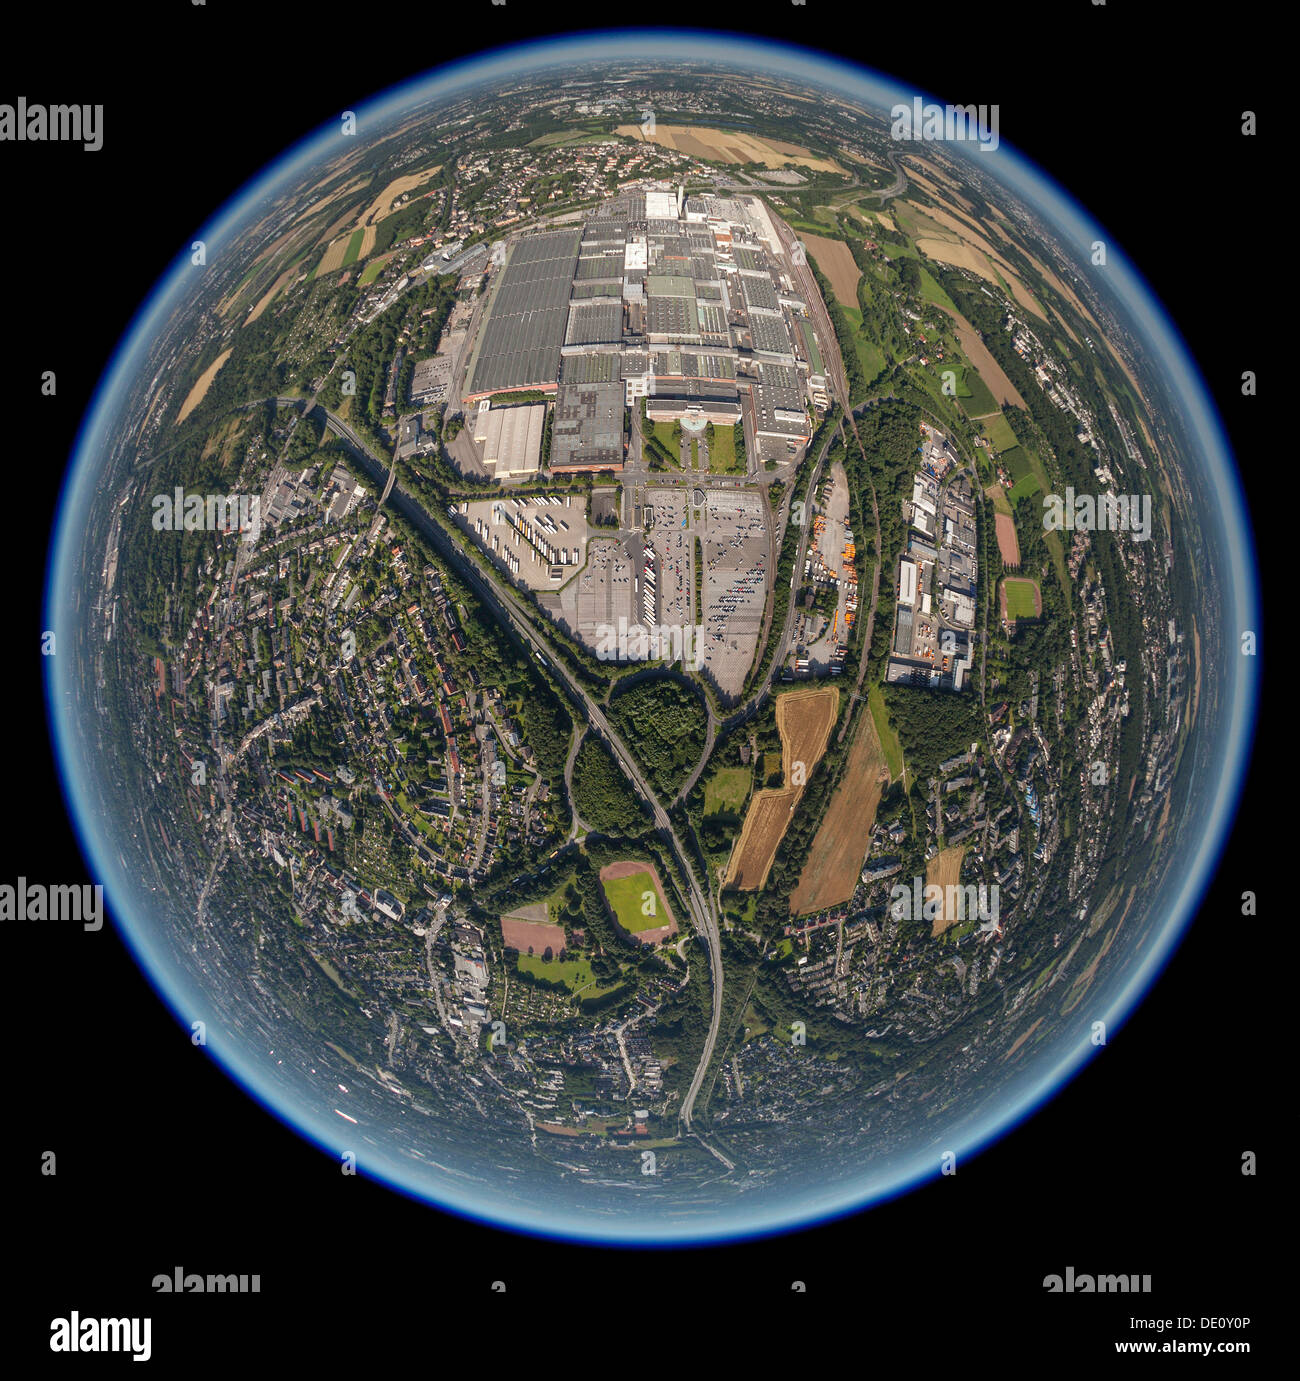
{"points": [[655, 637]]}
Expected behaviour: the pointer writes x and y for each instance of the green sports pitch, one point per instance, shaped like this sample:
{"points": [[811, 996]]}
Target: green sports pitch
{"points": [[627, 898], [1021, 595]]}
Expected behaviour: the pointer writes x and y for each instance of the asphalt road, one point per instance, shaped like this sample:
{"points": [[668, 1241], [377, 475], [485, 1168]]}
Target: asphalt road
{"points": [[508, 609]]}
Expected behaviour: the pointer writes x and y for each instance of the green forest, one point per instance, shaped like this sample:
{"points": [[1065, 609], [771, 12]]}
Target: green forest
{"points": [[663, 722]]}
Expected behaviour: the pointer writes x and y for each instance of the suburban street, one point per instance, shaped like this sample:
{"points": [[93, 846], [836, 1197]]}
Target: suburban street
{"points": [[517, 618]]}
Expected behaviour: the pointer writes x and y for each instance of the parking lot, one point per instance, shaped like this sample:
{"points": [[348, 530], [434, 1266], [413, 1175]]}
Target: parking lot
{"points": [[737, 562], [674, 551], [541, 539], [602, 594]]}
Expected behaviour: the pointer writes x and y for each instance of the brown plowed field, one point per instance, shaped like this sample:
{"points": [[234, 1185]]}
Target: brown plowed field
{"points": [[531, 936], [836, 261], [989, 369], [1008, 542]]}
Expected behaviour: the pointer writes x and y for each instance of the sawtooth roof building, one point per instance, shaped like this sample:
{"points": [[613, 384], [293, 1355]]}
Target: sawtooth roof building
{"points": [[686, 302]]}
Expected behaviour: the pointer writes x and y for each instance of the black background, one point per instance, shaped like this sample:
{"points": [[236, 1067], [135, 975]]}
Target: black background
{"points": [[163, 1162]]}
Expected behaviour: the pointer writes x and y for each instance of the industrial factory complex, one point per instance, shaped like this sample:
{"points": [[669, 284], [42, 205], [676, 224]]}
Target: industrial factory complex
{"points": [[592, 344], [685, 302]]}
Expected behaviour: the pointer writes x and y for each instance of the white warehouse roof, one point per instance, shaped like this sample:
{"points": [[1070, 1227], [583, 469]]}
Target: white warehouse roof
{"points": [[511, 437], [907, 583]]}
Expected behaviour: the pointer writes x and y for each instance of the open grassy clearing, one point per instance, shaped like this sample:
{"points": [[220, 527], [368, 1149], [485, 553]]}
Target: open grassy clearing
{"points": [[890, 746], [727, 790]]}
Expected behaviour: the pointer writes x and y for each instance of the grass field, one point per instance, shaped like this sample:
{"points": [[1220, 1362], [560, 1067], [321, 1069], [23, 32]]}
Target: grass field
{"points": [[974, 394], [354, 248], [998, 431], [562, 136], [932, 292], [573, 973], [722, 450], [1021, 462], [664, 432], [870, 356], [889, 743], [372, 270], [627, 893], [1022, 598], [1023, 488], [727, 790], [1026, 469], [979, 355], [1016, 463], [929, 382], [830, 875], [997, 496]]}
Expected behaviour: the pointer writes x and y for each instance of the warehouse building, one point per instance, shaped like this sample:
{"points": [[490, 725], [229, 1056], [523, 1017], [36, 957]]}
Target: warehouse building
{"points": [[587, 433], [511, 437]]}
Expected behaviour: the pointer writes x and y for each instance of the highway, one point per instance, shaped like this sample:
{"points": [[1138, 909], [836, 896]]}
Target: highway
{"points": [[509, 610], [512, 613]]}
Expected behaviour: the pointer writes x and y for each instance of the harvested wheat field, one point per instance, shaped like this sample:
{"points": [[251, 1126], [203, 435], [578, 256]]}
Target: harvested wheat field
{"points": [[765, 825], [383, 204], [265, 301], [334, 255], [943, 870], [989, 369], [835, 260], [731, 146], [840, 844], [804, 718], [201, 385]]}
